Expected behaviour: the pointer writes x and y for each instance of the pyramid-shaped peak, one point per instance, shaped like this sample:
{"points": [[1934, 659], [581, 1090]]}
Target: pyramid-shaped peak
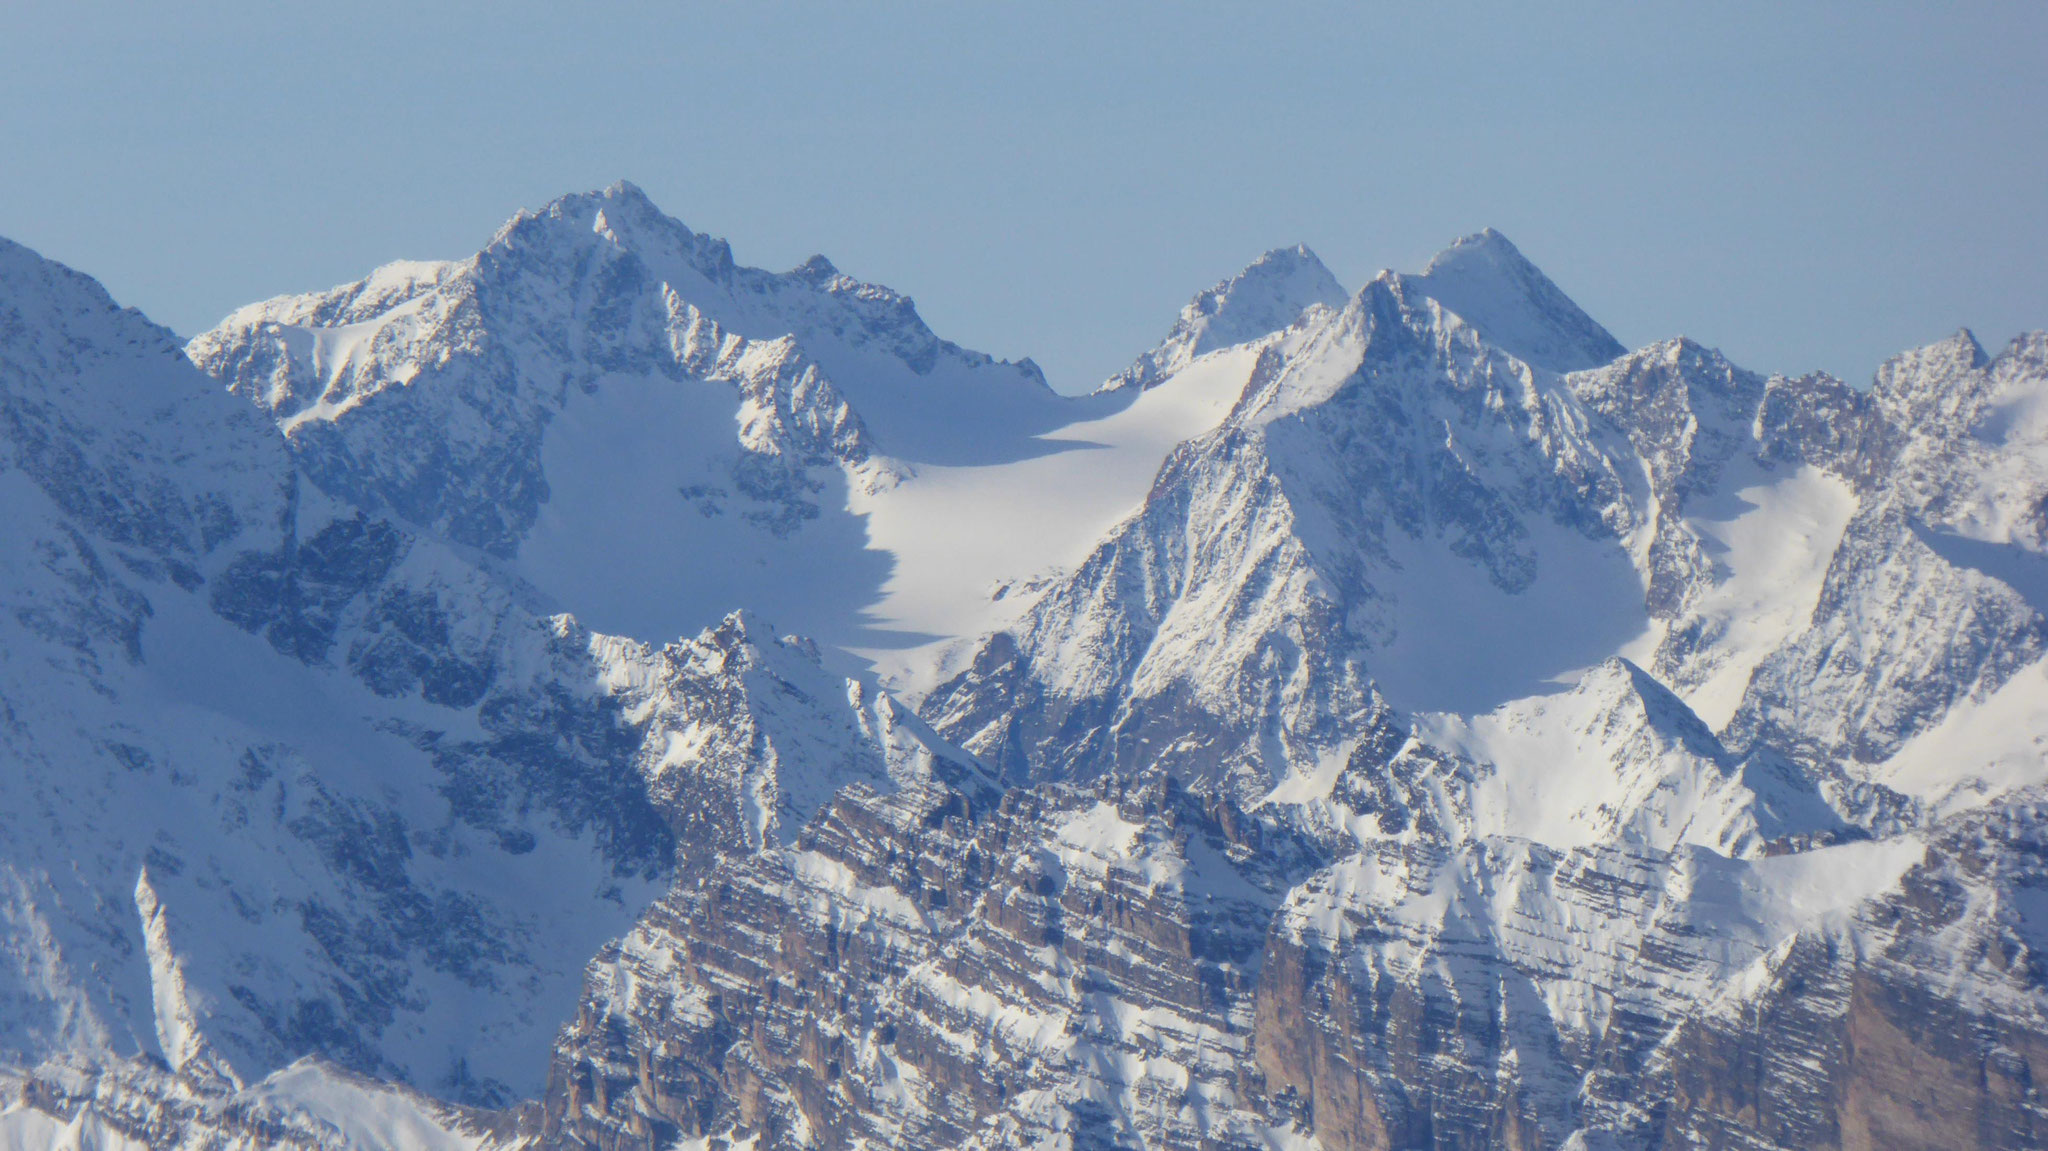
{"points": [[815, 270], [1294, 262], [621, 212], [39, 280], [1485, 244], [59, 311], [1960, 352], [623, 198], [1675, 374], [1486, 281], [1288, 259], [1936, 386], [1620, 682], [1619, 673], [1267, 296], [625, 190]]}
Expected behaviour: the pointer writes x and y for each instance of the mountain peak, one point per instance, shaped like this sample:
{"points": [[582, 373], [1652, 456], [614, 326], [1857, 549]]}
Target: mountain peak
{"points": [[1288, 257], [620, 214], [1487, 282], [623, 196], [1620, 680], [1268, 295], [1485, 244], [816, 270], [624, 190], [1940, 386], [1265, 297]]}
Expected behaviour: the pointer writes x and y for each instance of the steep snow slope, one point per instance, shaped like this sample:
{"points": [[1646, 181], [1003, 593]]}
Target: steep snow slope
{"points": [[646, 532], [1982, 748], [1617, 758], [967, 544], [967, 540], [1929, 602], [1770, 538]]}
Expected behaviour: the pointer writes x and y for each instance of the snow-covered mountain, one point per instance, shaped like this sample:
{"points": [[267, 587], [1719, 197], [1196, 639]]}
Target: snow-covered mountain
{"points": [[285, 778], [607, 409], [606, 405], [597, 694]]}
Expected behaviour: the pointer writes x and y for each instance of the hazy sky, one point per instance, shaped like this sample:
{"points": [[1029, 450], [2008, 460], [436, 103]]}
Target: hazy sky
{"points": [[1802, 186]]}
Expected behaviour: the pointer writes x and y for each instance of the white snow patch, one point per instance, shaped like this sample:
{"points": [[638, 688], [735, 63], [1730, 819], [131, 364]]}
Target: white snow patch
{"points": [[1100, 839], [366, 1116], [964, 538], [1981, 749], [1774, 537], [1102, 832], [1311, 785], [1604, 762], [829, 875], [1811, 888], [24, 1128]]}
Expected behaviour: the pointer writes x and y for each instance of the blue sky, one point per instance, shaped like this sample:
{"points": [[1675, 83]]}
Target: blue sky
{"points": [[1804, 186]]}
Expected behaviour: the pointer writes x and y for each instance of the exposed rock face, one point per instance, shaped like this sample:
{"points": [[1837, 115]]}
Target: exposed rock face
{"points": [[134, 1105], [1917, 1024], [1623, 1002], [1385, 426], [916, 972], [1934, 541], [1404, 998]]}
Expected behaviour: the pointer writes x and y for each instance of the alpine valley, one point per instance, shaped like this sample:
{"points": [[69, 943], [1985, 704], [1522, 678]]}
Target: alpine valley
{"points": [[597, 694]]}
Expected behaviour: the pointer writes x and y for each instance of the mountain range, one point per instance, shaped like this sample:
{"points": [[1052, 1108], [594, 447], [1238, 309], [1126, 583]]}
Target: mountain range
{"points": [[597, 694]]}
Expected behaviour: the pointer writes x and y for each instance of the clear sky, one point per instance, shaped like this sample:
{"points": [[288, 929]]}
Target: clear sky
{"points": [[1804, 186]]}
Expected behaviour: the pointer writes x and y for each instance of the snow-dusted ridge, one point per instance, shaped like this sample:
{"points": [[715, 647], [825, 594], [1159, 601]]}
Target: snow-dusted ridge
{"points": [[1401, 717]]}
